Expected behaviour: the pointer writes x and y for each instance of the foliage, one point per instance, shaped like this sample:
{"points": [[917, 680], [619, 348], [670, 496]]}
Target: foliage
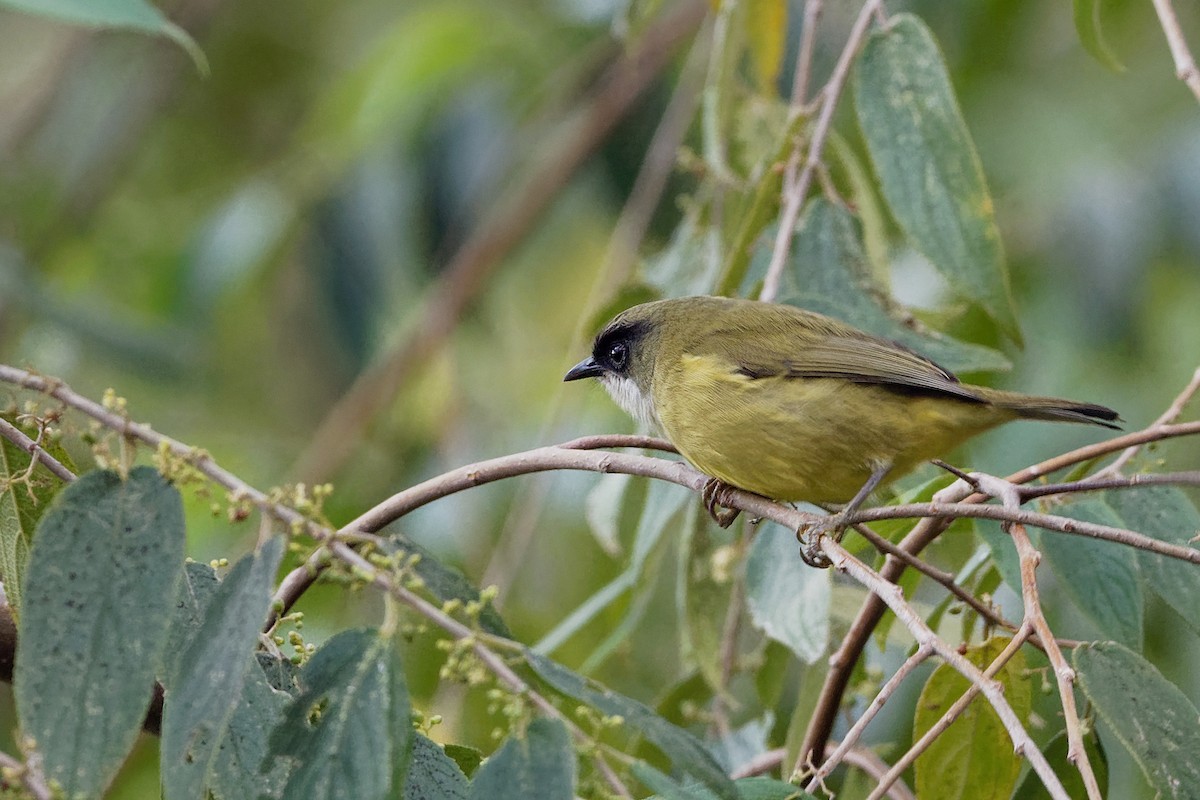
{"points": [[342, 255]]}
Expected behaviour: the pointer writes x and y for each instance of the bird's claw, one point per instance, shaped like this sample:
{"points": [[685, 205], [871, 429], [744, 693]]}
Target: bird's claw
{"points": [[809, 537], [716, 496]]}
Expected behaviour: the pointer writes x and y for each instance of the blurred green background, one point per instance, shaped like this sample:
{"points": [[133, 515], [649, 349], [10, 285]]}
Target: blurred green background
{"points": [[230, 251]]}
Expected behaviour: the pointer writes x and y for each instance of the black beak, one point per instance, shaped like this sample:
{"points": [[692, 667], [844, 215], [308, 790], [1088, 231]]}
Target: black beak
{"points": [[588, 368]]}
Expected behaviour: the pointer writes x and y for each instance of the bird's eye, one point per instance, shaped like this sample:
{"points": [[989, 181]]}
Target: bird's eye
{"points": [[618, 355]]}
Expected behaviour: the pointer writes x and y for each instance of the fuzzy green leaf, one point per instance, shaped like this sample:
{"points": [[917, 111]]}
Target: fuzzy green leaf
{"points": [[787, 600], [100, 589], [206, 688], [929, 172], [1087, 25], [433, 775], [1148, 714], [1101, 578], [539, 764], [349, 729]]}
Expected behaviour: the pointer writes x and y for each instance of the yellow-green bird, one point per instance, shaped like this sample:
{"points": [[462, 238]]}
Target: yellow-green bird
{"points": [[793, 405]]}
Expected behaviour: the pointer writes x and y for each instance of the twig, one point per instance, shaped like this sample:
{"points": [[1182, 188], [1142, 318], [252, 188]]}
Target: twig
{"points": [[340, 431], [938, 575], [1092, 483], [852, 736], [37, 453], [796, 185], [1050, 522], [1170, 415], [1063, 674], [869, 762], [28, 773], [296, 582], [804, 57], [1041, 766], [1185, 64]]}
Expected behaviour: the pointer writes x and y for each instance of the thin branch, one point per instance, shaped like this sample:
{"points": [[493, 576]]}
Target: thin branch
{"points": [[1092, 483], [1051, 781], [1050, 522], [1185, 64], [796, 185], [28, 774], [804, 57], [938, 575], [339, 433], [37, 453], [869, 762], [1064, 675], [852, 736], [1170, 415]]}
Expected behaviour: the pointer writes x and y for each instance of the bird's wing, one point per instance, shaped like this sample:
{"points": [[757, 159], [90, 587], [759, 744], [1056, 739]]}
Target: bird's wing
{"points": [[837, 351]]}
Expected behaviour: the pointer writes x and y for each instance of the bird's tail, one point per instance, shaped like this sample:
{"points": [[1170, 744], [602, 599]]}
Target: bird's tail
{"points": [[1054, 408]]}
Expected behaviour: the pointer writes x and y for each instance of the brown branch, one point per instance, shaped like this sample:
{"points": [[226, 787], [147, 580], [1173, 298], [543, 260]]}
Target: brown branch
{"points": [[340, 432], [795, 185], [1034, 618], [804, 55], [1050, 522], [1185, 64], [855, 733], [37, 453]]}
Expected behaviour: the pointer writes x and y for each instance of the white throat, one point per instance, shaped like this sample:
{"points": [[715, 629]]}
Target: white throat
{"points": [[631, 399]]}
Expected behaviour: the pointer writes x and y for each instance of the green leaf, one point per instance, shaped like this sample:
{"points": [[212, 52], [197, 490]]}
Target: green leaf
{"points": [[1032, 788], [663, 785], [243, 769], [789, 601], [196, 591], [663, 501], [22, 504], [828, 273], [102, 578], [205, 689], [686, 753], [433, 775], [539, 764], [349, 730], [1087, 25], [1164, 513], [928, 169], [973, 757], [444, 582], [468, 759], [603, 509], [136, 15], [1148, 714], [1101, 578]]}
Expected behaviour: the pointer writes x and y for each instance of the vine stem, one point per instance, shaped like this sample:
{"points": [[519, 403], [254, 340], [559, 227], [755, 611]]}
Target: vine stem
{"points": [[1185, 63]]}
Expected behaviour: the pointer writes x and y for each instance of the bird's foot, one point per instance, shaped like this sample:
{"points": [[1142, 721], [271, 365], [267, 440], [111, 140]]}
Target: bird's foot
{"points": [[717, 496], [809, 536]]}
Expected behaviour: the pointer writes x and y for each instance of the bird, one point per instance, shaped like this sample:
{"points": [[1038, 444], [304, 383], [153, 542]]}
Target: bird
{"points": [[791, 404]]}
